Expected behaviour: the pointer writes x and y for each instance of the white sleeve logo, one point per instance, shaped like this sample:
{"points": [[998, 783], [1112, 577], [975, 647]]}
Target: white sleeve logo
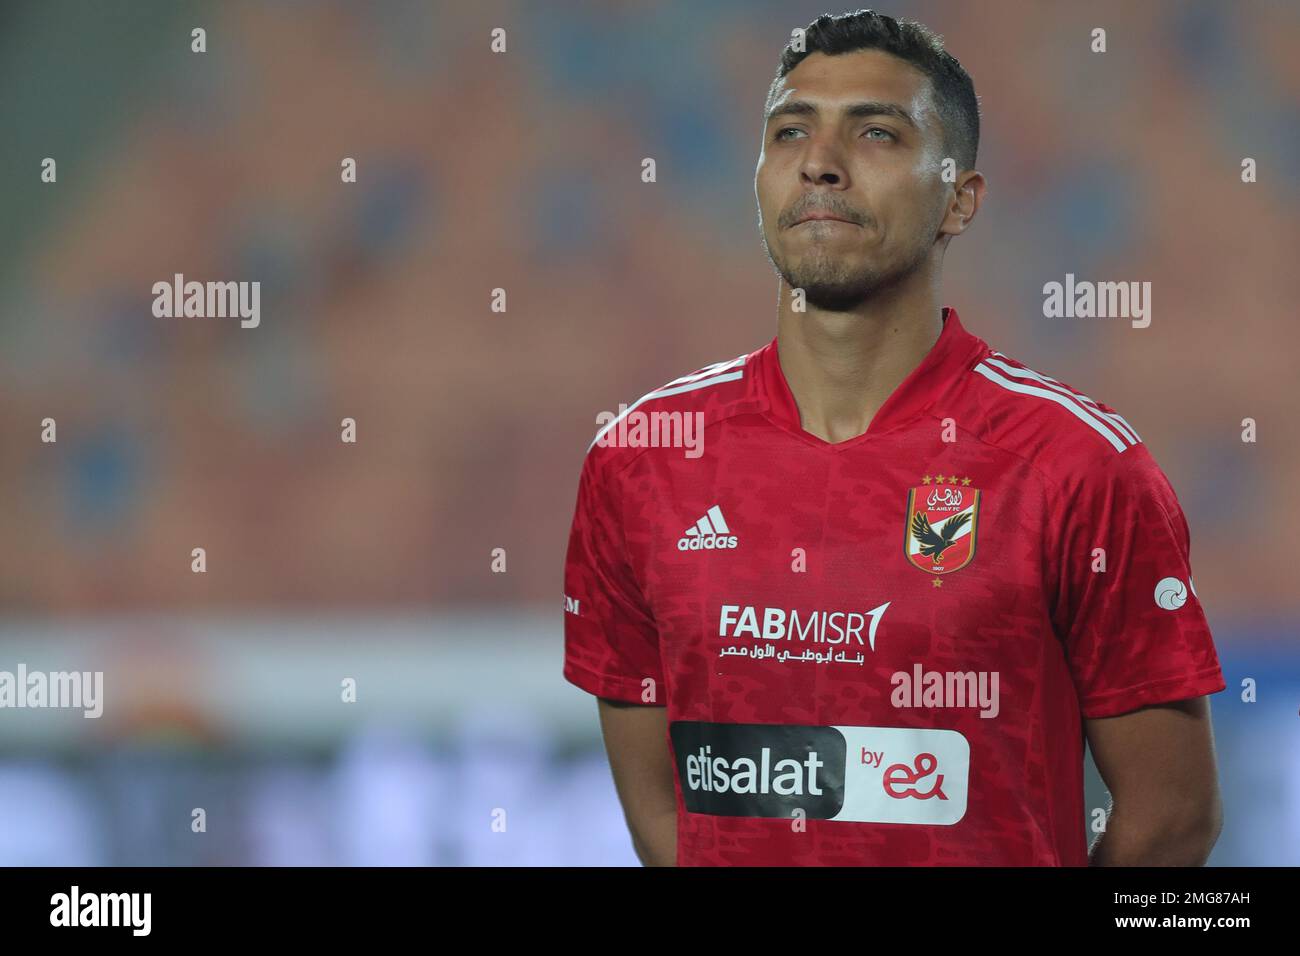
{"points": [[1171, 594]]}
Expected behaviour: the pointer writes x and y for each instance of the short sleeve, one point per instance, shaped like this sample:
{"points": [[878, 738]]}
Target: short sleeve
{"points": [[611, 644], [1127, 612]]}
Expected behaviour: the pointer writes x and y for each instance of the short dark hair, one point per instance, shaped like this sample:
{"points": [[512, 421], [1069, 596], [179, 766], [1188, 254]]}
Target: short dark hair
{"points": [[954, 92]]}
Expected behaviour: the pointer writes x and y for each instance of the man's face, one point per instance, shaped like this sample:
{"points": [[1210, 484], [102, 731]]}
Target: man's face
{"points": [[854, 136]]}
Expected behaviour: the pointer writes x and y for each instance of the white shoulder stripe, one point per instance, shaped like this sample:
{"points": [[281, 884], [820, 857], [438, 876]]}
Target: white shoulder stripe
{"points": [[1074, 408], [708, 370], [673, 388], [1120, 427], [1129, 431]]}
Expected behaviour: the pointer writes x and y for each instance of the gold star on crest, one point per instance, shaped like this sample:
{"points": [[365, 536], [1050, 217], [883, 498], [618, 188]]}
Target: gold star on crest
{"points": [[952, 480], [925, 480], [938, 582], [965, 481]]}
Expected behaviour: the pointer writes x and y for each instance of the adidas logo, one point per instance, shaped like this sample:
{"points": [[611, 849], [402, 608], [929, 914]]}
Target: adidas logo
{"points": [[708, 534]]}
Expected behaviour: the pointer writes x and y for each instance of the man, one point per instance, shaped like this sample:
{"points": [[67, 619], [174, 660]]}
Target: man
{"points": [[872, 619]]}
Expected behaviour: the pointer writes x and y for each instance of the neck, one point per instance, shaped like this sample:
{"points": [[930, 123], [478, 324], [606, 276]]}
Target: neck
{"points": [[842, 366]]}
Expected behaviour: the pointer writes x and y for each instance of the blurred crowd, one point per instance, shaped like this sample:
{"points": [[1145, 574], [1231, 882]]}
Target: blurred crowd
{"points": [[520, 171]]}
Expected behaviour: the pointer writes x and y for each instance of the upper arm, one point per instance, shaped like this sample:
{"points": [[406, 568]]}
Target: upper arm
{"points": [[636, 739], [1159, 764], [1141, 656], [611, 640], [611, 650], [1126, 609]]}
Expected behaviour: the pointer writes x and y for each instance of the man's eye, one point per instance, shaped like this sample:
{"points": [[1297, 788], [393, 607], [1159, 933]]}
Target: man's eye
{"points": [[780, 134], [877, 129]]}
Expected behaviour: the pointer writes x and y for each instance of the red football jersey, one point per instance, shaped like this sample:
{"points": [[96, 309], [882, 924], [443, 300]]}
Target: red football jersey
{"points": [[880, 651]]}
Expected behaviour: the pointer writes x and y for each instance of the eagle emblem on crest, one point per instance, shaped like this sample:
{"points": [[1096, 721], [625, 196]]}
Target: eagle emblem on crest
{"points": [[942, 519]]}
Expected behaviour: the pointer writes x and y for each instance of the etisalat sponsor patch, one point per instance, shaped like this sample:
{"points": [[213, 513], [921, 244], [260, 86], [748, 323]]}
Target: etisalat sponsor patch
{"points": [[858, 774], [73, 690]]}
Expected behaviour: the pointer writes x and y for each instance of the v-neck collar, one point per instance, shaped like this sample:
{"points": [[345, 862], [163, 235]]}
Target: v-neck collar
{"points": [[954, 352]]}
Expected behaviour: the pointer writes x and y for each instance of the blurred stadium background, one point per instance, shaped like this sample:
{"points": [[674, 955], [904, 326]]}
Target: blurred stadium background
{"points": [[521, 171]]}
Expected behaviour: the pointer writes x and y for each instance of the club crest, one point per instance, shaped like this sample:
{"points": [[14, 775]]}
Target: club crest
{"points": [[942, 518]]}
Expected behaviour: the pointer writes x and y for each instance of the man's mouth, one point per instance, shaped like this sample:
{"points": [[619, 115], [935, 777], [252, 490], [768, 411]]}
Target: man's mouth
{"points": [[821, 216]]}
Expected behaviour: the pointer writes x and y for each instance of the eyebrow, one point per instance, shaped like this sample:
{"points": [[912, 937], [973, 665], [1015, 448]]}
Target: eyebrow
{"points": [[853, 111]]}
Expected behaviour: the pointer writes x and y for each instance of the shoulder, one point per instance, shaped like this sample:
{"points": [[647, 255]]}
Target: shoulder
{"points": [[1051, 424], [675, 412], [1094, 460]]}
